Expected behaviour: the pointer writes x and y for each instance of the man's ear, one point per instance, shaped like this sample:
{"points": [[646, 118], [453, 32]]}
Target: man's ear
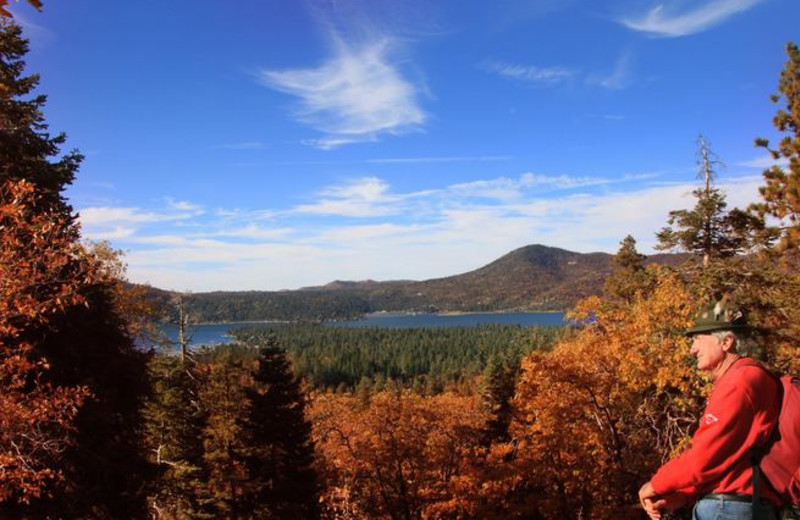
{"points": [[729, 343]]}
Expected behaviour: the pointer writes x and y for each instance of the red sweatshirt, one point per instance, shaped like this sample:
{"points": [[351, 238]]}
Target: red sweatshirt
{"points": [[740, 413]]}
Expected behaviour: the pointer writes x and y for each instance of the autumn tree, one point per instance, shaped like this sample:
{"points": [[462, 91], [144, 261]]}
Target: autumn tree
{"points": [[594, 417], [69, 327], [398, 457], [781, 192], [42, 273]]}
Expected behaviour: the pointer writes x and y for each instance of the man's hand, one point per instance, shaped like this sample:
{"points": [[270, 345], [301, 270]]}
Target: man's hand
{"points": [[650, 502]]}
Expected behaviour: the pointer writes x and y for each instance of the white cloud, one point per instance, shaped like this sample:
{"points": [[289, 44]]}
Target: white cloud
{"points": [[543, 76], [39, 36], [256, 232], [764, 162], [619, 78], [663, 20], [110, 222], [350, 234], [182, 205], [423, 160], [366, 197], [356, 96], [95, 216], [508, 189]]}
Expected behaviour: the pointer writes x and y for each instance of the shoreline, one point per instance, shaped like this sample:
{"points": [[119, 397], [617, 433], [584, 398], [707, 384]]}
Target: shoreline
{"points": [[378, 314]]}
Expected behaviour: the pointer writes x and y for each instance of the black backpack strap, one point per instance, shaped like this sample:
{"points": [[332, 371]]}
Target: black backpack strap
{"points": [[756, 462], [757, 452]]}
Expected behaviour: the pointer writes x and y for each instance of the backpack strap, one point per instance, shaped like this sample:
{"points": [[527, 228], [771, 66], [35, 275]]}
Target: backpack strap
{"points": [[757, 452], [755, 460]]}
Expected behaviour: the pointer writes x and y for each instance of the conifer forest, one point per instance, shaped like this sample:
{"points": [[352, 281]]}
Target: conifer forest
{"points": [[305, 421]]}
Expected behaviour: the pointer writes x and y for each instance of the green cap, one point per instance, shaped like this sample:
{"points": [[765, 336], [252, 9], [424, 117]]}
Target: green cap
{"points": [[718, 316]]}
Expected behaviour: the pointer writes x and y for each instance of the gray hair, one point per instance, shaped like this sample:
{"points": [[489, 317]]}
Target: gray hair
{"points": [[743, 345]]}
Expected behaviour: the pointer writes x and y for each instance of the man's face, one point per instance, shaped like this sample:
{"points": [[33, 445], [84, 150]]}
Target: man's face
{"points": [[708, 351]]}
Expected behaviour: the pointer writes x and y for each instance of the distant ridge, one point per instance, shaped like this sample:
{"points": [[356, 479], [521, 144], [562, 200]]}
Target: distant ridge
{"points": [[534, 277]]}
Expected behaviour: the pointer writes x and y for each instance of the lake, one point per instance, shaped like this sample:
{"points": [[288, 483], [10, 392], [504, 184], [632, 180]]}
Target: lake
{"points": [[213, 334]]}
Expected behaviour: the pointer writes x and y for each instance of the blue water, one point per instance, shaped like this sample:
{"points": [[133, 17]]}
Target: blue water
{"points": [[214, 334]]}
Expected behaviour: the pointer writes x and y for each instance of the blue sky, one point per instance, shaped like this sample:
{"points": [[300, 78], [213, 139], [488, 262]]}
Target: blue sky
{"points": [[280, 144]]}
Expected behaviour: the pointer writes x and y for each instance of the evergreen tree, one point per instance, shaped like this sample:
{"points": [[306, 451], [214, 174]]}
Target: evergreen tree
{"points": [[175, 423], [708, 229], [781, 192], [83, 340], [630, 278], [226, 441], [27, 150], [281, 465], [106, 468], [499, 381], [628, 257]]}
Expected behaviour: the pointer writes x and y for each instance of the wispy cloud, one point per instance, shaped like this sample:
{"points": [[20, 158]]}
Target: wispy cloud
{"points": [[507, 189], [423, 160], [39, 35], [365, 197], [620, 77], [112, 222], [541, 76], [763, 162], [183, 205], [358, 95], [668, 20]]}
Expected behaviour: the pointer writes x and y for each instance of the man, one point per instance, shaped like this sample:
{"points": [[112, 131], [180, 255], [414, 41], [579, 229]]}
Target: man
{"points": [[740, 415]]}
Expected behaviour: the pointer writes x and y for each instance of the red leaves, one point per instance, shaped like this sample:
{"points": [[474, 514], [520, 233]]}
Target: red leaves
{"points": [[41, 275]]}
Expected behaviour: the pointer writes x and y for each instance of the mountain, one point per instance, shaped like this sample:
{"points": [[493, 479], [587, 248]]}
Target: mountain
{"points": [[534, 277]]}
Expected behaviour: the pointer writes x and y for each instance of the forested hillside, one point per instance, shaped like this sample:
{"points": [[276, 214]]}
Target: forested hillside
{"points": [[534, 277]]}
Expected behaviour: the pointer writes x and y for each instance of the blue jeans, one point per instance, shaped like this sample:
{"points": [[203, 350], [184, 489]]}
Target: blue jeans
{"points": [[721, 509]]}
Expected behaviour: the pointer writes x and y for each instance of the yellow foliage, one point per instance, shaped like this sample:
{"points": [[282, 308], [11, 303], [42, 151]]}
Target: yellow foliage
{"points": [[599, 413]]}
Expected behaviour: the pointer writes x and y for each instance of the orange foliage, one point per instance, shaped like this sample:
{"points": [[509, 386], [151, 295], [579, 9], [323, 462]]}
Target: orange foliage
{"points": [[42, 271], [398, 456], [599, 413]]}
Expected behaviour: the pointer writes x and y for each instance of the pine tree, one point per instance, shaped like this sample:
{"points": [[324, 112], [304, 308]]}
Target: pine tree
{"points": [[630, 277], [174, 428], [499, 380], [781, 192], [226, 439], [27, 150], [281, 465], [78, 338], [708, 229]]}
